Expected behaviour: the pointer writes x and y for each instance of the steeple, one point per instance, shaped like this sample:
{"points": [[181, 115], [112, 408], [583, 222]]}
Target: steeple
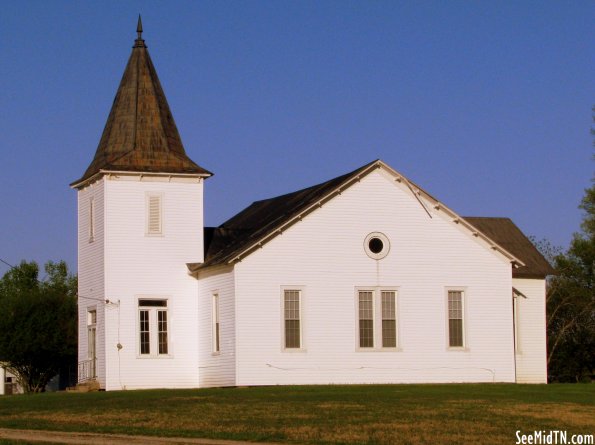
{"points": [[140, 134], [139, 42]]}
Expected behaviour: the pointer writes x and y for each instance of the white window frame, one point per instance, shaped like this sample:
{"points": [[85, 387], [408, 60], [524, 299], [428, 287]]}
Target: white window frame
{"points": [[464, 303], [300, 291], [385, 245], [516, 300], [91, 219], [377, 319], [149, 231], [381, 318], [153, 320], [215, 324], [91, 331]]}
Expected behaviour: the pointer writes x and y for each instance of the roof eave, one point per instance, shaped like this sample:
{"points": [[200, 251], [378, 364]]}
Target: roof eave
{"points": [[516, 262], [81, 183], [532, 275], [298, 217], [193, 267], [241, 253]]}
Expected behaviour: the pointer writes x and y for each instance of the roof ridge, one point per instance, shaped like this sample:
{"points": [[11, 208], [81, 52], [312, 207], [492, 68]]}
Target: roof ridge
{"points": [[257, 227]]}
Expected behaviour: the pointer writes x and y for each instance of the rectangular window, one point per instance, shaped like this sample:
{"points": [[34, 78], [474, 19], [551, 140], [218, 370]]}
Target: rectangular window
{"points": [[91, 220], [389, 320], [153, 327], [216, 336], [366, 319], [162, 331], [92, 336], [376, 318], [145, 339], [291, 311], [154, 215], [455, 319], [515, 319]]}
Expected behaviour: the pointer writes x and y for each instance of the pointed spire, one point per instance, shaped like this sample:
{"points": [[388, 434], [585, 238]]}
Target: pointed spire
{"points": [[139, 42], [140, 134]]}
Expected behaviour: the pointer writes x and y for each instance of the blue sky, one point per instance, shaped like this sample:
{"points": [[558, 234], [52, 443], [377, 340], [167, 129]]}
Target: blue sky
{"points": [[486, 105]]}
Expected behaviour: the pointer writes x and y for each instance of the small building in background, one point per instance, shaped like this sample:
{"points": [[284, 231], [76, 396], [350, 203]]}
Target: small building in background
{"points": [[8, 383]]}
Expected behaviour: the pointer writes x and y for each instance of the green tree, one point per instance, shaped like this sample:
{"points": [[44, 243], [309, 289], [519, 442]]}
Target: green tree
{"points": [[571, 302], [38, 326]]}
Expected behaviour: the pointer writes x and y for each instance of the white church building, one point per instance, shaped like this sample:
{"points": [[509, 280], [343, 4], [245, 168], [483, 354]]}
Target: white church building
{"points": [[365, 278]]}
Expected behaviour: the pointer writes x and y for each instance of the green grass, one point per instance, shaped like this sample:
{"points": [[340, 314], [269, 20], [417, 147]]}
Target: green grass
{"points": [[370, 414]]}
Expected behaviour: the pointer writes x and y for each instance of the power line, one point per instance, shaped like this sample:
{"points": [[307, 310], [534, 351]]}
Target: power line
{"points": [[16, 268], [92, 298], [8, 264]]}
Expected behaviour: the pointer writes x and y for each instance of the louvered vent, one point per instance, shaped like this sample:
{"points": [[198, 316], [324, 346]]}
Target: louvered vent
{"points": [[154, 215]]}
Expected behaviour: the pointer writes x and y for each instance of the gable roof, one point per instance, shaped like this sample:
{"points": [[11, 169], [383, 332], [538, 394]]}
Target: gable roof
{"points": [[263, 220], [508, 235], [140, 134]]}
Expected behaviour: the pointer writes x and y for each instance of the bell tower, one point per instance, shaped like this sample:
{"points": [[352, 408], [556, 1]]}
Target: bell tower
{"points": [[140, 220]]}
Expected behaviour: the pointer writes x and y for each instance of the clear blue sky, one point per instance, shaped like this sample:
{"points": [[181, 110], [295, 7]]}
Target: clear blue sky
{"points": [[486, 105]]}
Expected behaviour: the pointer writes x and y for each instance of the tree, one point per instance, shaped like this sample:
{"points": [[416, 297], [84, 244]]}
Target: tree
{"points": [[38, 326], [571, 302]]}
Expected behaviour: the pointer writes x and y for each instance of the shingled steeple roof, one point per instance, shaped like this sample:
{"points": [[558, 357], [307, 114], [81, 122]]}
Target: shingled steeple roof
{"points": [[140, 134]]}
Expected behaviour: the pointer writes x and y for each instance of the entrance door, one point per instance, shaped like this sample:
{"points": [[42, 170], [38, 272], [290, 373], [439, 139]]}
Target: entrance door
{"points": [[92, 342]]}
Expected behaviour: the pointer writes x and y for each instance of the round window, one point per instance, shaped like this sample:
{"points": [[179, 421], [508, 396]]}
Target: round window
{"points": [[376, 245]]}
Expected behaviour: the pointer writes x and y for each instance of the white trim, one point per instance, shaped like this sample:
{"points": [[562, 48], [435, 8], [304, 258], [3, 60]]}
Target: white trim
{"points": [[91, 215], [385, 245], [278, 230], [464, 303], [149, 197], [92, 327], [153, 327], [300, 290], [516, 320], [415, 189], [215, 323], [97, 176], [377, 319]]}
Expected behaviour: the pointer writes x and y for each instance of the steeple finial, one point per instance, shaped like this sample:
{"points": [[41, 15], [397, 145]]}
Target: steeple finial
{"points": [[139, 42], [139, 27]]}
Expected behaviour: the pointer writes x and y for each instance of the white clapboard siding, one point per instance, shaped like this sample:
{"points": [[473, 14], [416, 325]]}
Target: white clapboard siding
{"points": [[324, 256], [140, 263], [531, 357], [217, 369], [91, 267]]}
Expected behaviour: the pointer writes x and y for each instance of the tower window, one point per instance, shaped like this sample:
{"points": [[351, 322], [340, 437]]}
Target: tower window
{"points": [[153, 328], [154, 215], [91, 220]]}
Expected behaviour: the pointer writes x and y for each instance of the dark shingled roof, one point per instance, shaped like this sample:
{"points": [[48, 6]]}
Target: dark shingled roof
{"points": [[236, 236], [225, 242], [140, 134], [506, 234]]}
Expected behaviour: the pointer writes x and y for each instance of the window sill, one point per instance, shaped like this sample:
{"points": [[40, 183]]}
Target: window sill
{"points": [[294, 350], [457, 349], [154, 356], [397, 349], [215, 354]]}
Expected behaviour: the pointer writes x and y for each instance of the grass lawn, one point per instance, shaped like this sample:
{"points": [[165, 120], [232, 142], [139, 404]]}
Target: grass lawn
{"points": [[370, 414]]}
